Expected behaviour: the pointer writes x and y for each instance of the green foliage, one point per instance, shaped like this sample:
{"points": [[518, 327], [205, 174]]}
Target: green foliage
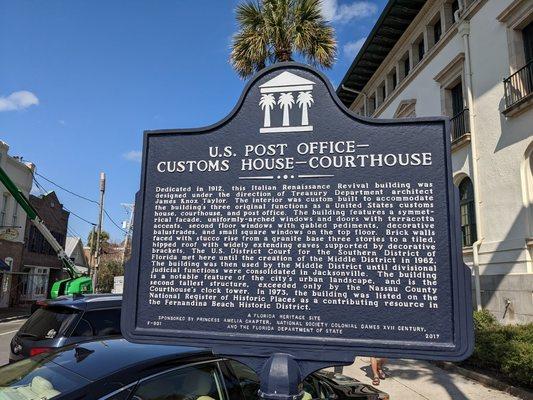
{"points": [[484, 319], [507, 349], [106, 272], [91, 240], [272, 30], [518, 364]]}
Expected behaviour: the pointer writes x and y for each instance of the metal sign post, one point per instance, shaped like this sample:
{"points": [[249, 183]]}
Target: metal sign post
{"points": [[294, 235], [280, 378]]}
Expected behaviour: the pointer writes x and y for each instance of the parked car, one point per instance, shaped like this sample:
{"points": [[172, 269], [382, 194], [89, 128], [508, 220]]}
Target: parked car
{"points": [[115, 369], [64, 321]]}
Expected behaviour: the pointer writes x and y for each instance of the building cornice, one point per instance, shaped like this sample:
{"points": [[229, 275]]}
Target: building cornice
{"points": [[396, 18], [416, 69], [452, 65], [419, 21], [510, 11]]}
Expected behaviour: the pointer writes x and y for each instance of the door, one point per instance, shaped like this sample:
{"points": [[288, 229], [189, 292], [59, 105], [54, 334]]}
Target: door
{"points": [[457, 99], [35, 283], [195, 382], [527, 34], [313, 387]]}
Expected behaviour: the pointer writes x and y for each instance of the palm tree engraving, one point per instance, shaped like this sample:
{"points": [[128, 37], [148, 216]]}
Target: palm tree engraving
{"points": [[304, 101], [285, 101], [267, 103]]}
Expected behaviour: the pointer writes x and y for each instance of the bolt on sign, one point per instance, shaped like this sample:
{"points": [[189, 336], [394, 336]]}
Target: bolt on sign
{"points": [[294, 226]]}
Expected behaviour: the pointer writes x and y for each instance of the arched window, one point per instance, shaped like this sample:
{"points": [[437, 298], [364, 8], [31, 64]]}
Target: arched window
{"points": [[468, 212]]}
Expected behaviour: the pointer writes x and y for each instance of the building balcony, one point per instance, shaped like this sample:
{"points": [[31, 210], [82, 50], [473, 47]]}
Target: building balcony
{"points": [[460, 129], [518, 90]]}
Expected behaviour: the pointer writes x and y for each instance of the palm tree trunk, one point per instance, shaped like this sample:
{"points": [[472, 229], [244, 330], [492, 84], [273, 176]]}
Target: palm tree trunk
{"points": [[286, 115], [305, 118], [266, 123]]}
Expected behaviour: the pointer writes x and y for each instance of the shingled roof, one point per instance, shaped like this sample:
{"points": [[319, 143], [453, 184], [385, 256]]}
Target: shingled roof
{"points": [[392, 23]]}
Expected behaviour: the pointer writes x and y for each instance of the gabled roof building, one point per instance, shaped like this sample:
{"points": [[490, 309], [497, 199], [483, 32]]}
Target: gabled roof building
{"points": [[74, 250]]}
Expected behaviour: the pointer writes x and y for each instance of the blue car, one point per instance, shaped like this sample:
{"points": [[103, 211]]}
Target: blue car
{"points": [[65, 321], [115, 369]]}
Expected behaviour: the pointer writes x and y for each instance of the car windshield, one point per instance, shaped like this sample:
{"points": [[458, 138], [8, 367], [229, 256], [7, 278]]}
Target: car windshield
{"points": [[47, 323], [35, 378]]}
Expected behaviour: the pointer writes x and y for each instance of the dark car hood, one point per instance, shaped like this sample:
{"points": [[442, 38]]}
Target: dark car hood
{"points": [[97, 359]]}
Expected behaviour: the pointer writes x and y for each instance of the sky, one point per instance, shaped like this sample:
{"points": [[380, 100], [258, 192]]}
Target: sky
{"points": [[80, 80]]}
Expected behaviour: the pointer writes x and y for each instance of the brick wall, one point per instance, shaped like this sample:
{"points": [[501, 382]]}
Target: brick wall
{"points": [[37, 252]]}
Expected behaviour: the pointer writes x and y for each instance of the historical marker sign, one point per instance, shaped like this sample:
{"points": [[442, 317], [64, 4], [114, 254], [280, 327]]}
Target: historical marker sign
{"points": [[295, 226]]}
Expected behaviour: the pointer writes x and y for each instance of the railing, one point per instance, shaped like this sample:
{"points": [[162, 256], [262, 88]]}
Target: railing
{"points": [[519, 85], [460, 124]]}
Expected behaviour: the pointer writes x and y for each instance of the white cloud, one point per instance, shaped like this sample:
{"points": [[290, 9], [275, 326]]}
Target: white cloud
{"points": [[133, 155], [335, 12], [62, 122], [328, 9], [18, 101], [351, 49]]}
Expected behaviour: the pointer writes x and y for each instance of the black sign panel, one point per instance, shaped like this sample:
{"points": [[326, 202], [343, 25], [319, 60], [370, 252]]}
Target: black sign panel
{"points": [[296, 226]]}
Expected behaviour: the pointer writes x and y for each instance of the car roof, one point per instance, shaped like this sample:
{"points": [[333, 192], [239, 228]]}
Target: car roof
{"points": [[100, 358], [84, 301]]}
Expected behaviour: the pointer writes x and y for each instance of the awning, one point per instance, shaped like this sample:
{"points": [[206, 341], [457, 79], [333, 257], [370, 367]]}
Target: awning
{"points": [[391, 25]]}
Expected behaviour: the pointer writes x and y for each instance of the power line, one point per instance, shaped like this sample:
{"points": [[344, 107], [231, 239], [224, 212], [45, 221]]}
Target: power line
{"points": [[43, 190], [81, 197], [66, 190], [72, 231], [40, 186], [114, 223], [76, 215]]}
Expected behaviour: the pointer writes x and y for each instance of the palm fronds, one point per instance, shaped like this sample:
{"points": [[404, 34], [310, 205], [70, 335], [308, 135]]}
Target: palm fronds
{"points": [[273, 30]]}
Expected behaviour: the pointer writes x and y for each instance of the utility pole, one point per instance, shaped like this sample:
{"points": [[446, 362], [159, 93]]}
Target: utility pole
{"points": [[99, 229], [93, 249], [129, 226]]}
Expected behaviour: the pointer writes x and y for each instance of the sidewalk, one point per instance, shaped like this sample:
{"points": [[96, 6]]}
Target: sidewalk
{"points": [[419, 380], [12, 313]]}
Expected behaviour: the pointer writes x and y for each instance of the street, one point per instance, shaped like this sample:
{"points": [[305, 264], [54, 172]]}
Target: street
{"points": [[408, 379], [7, 330]]}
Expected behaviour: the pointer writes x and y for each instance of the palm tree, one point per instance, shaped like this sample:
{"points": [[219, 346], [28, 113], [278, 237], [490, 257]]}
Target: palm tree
{"points": [[272, 30], [304, 101], [285, 101], [267, 103], [91, 240]]}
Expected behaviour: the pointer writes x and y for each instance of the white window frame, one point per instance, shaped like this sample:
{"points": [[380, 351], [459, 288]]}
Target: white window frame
{"points": [[15, 217], [516, 17], [3, 211]]}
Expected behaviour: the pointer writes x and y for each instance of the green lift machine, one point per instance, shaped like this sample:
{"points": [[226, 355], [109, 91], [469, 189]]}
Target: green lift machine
{"points": [[77, 283]]}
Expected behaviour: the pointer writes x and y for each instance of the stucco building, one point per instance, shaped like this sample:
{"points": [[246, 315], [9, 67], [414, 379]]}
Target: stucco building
{"points": [[12, 225], [471, 60]]}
